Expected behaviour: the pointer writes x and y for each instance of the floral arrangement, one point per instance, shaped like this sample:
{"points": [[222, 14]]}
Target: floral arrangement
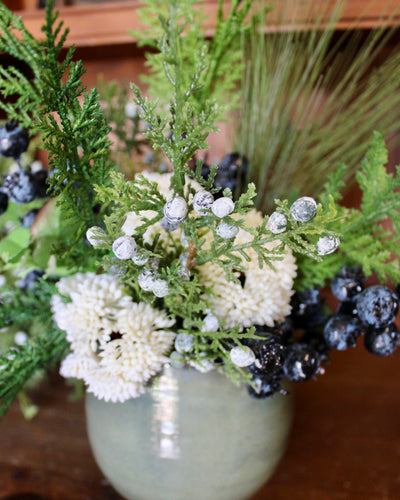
{"points": [[115, 277]]}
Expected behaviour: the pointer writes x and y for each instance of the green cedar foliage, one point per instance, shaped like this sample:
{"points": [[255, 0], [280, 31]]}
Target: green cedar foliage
{"points": [[130, 146], [55, 104], [370, 235], [207, 67], [41, 351]]}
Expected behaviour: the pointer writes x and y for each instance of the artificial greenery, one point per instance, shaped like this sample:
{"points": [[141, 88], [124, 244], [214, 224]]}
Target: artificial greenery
{"points": [[131, 151], [209, 68], [370, 234], [311, 99], [90, 190], [41, 351], [74, 133]]}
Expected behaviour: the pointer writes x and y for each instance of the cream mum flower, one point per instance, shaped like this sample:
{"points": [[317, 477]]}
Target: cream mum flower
{"points": [[264, 297], [133, 221], [96, 301], [164, 180], [120, 346]]}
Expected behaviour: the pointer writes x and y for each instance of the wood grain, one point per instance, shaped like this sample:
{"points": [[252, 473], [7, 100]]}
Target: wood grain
{"points": [[109, 23]]}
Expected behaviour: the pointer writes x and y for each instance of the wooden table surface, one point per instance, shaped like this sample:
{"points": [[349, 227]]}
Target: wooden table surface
{"points": [[345, 441]]}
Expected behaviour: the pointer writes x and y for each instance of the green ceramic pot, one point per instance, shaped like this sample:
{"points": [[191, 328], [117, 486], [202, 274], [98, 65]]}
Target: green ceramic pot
{"points": [[191, 436]]}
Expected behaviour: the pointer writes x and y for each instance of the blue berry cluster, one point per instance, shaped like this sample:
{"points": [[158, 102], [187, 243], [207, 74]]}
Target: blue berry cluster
{"points": [[368, 311], [23, 185], [362, 311], [231, 173]]}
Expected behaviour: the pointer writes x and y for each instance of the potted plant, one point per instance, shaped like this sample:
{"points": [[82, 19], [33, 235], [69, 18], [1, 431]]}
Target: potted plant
{"points": [[185, 310]]}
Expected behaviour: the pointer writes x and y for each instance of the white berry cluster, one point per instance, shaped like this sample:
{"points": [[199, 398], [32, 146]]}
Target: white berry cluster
{"points": [[204, 203], [303, 210]]}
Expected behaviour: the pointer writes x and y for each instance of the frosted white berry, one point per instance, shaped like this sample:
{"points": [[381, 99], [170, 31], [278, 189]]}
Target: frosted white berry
{"points": [[124, 247], [183, 258], [184, 241], [96, 236], [175, 210], [155, 262], [146, 280], [202, 365], [227, 231], [160, 288], [242, 356], [168, 226], [177, 359], [202, 202], [184, 342], [20, 338], [222, 207], [304, 209], [327, 245], [140, 259], [277, 223], [183, 273], [210, 323], [131, 110]]}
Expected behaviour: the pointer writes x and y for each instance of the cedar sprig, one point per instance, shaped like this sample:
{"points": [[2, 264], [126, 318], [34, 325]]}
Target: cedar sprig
{"points": [[41, 351], [74, 134], [370, 234], [220, 54], [18, 365]]}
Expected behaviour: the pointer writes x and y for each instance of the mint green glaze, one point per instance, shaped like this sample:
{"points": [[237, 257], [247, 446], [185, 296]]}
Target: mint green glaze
{"points": [[193, 436]]}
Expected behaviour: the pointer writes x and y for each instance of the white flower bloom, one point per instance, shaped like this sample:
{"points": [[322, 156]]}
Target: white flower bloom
{"points": [[117, 345], [164, 180], [133, 221], [264, 297]]}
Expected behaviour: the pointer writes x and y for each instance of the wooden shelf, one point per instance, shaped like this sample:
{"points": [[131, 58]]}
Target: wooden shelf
{"points": [[108, 23]]}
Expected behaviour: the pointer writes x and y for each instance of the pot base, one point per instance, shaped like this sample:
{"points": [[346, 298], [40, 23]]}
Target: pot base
{"points": [[193, 435]]}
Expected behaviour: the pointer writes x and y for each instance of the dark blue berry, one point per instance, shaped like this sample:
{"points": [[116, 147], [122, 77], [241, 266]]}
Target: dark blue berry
{"points": [[20, 187], [231, 173], [377, 306], [29, 218], [316, 341], [269, 355], [348, 307], [302, 362], [29, 280], [39, 180], [263, 387], [382, 341], [347, 283], [341, 331], [307, 309], [13, 140], [3, 202]]}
